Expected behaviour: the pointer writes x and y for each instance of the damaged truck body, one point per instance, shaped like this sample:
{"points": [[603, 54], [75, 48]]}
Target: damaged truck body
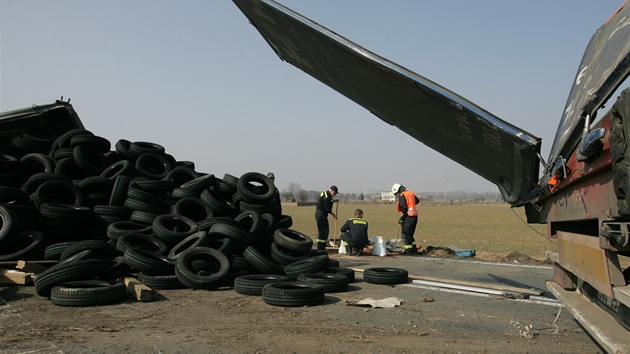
{"points": [[583, 190]]}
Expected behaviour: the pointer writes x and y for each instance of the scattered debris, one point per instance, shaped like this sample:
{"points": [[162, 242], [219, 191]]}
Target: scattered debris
{"points": [[526, 332], [383, 303], [461, 252]]}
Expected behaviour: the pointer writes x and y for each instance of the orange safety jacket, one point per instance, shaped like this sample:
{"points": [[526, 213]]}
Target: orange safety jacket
{"points": [[410, 201]]}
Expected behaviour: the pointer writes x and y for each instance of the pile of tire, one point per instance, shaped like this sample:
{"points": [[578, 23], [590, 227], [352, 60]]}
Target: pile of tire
{"points": [[108, 212]]}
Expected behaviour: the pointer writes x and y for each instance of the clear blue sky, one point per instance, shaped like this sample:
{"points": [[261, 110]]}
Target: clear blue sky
{"points": [[196, 77]]}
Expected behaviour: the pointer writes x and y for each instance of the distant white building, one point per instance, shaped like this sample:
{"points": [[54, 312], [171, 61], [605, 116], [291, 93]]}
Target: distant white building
{"points": [[386, 196]]}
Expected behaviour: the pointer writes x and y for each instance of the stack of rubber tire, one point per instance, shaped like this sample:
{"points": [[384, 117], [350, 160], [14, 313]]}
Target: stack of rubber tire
{"points": [[107, 213]]}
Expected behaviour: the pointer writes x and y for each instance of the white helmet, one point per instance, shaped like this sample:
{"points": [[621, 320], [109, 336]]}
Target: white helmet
{"points": [[397, 187]]}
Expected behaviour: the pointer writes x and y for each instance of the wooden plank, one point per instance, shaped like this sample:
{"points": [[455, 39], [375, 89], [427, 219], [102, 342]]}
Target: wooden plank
{"points": [[6, 264], [11, 276], [31, 267], [138, 290], [467, 283]]}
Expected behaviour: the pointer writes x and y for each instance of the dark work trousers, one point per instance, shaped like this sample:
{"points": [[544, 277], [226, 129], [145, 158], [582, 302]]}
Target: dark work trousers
{"points": [[323, 228], [408, 229]]}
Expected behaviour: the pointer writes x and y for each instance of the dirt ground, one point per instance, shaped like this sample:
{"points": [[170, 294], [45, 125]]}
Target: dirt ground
{"points": [[223, 321]]}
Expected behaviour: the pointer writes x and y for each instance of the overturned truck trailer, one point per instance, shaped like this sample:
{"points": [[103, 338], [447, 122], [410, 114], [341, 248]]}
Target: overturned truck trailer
{"points": [[583, 191]]}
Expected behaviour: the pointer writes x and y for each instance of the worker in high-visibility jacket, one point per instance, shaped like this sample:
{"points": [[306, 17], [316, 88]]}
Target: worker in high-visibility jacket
{"points": [[407, 206], [354, 234], [323, 208]]}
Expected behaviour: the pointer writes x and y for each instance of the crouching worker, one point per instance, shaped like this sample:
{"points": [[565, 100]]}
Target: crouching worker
{"points": [[354, 234]]}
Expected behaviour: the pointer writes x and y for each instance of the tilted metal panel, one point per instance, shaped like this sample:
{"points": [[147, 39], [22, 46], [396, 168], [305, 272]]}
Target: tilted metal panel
{"points": [[450, 124], [604, 66]]}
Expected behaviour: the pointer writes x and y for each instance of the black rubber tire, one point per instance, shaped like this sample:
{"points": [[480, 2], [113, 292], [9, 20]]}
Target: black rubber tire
{"points": [[153, 166], [122, 147], [251, 222], [161, 282], [138, 205], [143, 217], [269, 225], [255, 187], [85, 269], [66, 212], [120, 168], [293, 240], [139, 148], [148, 261], [209, 278], [206, 225], [261, 262], [119, 190], [198, 239], [118, 229], [98, 142], [88, 293], [13, 196], [24, 246], [89, 159], [230, 180], [193, 208], [180, 175], [284, 221], [332, 283], [9, 224], [252, 284], [57, 191], [308, 265], [146, 197], [54, 251], [284, 256], [221, 205], [232, 232], [349, 273], [386, 276], [199, 183], [102, 249], [293, 294], [143, 241], [35, 163], [172, 228]]}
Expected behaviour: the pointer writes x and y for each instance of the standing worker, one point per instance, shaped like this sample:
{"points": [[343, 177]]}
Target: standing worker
{"points": [[324, 207], [277, 204], [407, 206], [355, 233]]}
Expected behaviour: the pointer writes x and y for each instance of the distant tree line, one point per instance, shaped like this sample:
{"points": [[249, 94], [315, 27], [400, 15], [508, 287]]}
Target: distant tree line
{"points": [[295, 193]]}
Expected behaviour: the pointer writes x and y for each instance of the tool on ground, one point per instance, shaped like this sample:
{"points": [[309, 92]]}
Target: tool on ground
{"points": [[335, 228]]}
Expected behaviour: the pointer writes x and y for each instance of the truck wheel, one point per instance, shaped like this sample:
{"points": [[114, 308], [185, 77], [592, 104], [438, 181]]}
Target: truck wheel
{"points": [[620, 151]]}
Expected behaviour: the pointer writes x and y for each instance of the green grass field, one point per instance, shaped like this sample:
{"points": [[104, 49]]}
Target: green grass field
{"points": [[492, 228]]}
